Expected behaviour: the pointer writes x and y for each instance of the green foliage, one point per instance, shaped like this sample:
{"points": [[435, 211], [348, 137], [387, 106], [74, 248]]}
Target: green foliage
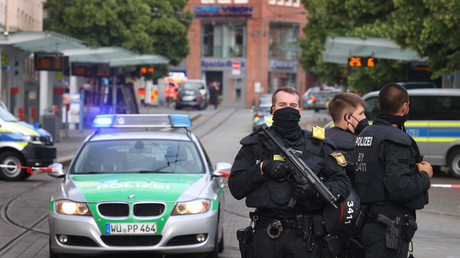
{"points": [[142, 26], [432, 28]]}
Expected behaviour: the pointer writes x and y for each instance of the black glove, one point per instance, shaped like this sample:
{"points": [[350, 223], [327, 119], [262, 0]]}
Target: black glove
{"points": [[275, 169], [303, 192]]}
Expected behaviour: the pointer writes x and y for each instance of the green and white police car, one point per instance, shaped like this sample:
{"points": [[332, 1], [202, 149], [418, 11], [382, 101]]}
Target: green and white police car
{"points": [[135, 186]]}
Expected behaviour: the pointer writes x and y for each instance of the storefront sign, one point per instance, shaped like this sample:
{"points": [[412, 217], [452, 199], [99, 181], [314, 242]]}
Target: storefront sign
{"points": [[283, 65], [223, 11], [221, 63]]}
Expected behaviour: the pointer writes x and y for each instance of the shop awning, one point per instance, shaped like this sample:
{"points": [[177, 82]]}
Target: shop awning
{"points": [[339, 49], [49, 41]]}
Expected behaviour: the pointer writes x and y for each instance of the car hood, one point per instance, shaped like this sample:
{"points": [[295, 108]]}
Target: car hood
{"points": [[136, 187]]}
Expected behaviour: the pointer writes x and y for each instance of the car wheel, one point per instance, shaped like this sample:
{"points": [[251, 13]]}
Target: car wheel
{"points": [[177, 107], [12, 174], [454, 163]]}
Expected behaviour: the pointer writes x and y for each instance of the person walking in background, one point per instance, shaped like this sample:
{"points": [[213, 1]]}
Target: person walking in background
{"points": [[392, 180], [214, 91]]}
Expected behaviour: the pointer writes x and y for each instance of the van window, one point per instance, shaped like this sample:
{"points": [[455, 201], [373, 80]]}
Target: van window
{"points": [[7, 116], [372, 108], [419, 107], [445, 108]]}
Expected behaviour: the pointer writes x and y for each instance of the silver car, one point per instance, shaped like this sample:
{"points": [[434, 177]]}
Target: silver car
{"points": [[129, 189]]}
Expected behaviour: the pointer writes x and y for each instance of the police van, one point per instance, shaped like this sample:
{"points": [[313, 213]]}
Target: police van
{"points": [[434, 123], [22, 144]]}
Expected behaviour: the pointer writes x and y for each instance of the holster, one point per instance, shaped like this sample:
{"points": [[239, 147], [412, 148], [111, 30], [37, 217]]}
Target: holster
{"points": [[329, 246], [408, 228], [245, 240]]}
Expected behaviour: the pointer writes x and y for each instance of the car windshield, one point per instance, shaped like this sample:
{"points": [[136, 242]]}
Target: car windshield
{"points": [[7, 116], [264, 109], [186, 92], [193, 85], [138, 156]]}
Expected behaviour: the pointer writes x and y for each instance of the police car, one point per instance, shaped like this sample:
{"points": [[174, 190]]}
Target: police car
{"points": [[22, 144], [139, 183]]}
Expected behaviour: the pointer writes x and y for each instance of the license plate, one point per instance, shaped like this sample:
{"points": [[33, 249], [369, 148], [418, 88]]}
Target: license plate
{"points": [[130, 228]]}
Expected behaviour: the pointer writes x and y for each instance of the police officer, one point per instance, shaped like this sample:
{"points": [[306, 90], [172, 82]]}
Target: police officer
{"points": [[347, 112], [391, 178], [284, 229]]}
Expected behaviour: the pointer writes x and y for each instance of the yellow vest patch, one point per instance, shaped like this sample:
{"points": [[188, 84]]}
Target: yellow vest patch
{"points": [[340, 158], [278, 157], [318, 132]]}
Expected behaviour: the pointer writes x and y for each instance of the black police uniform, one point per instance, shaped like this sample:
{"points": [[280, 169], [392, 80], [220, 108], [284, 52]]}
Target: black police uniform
{"points": [[271, 197], [345, 142], [388, 183]]}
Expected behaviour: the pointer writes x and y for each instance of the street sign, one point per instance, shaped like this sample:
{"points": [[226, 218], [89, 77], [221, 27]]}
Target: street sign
{"points": [[361, 61], [236, 68]]}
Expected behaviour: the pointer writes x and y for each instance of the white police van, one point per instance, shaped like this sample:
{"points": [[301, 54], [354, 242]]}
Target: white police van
{"points": [[22, 144], [434, 123]]}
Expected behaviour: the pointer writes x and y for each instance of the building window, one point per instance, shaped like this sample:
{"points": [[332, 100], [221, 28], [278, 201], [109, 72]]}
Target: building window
{"points": [[283, 40], [296, 3], [272, 2], [226, 39], [280, 2], [288, 2]]}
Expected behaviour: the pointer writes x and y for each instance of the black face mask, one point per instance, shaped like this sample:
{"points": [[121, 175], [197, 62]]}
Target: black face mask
{"points": [[361, 125], [286, 122], [397, 120]]}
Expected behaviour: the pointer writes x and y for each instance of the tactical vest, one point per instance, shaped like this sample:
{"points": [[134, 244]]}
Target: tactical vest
{"points": [[275, 194], [369, 170]]}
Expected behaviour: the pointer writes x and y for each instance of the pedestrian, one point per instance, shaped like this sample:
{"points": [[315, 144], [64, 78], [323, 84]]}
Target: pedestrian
{"points": [[391, 177], [214, 92], [347, 112], [260, 175]]}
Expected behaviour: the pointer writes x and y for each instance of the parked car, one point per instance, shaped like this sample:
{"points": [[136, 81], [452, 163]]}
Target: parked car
{"points": [[199, 85], [262, 115], [318, 100], [129, 190], [188, 97], [22, 144], [434, 123]]}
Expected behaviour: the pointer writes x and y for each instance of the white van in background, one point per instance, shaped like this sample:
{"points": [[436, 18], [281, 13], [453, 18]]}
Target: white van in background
{"points": [[434, 123]]}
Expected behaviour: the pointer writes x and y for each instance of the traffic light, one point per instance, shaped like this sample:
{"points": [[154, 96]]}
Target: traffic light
{"points": [[361, 61]]}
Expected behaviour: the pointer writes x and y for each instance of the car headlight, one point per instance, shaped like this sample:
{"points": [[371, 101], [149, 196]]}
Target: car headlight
{"points": [[191, 207], [33, 139], [72, 208]]}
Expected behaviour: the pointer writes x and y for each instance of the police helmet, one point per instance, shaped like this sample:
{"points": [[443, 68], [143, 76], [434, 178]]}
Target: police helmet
{"points": [[346, 213]]}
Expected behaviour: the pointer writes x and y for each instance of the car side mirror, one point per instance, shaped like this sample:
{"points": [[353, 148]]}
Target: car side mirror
{"points": [[222, 169], [56, 170]]}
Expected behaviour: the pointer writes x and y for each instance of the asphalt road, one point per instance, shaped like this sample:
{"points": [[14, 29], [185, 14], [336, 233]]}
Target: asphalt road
{"points": [[24, 205]]}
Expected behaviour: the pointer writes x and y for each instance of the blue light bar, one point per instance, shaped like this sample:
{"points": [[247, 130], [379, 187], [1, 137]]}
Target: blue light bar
{"points": [[180, 121], [104, 121], [141, 121]]}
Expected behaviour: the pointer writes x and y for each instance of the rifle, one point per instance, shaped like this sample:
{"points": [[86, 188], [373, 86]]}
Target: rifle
{"points": [[303, 169]]}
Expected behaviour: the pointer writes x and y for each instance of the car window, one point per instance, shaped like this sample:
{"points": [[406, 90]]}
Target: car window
{"points": [[7, 116], [138, 156], [419, 107], [188, 93], [445, 108], [372, 108], [193, 85], [264, 109]]}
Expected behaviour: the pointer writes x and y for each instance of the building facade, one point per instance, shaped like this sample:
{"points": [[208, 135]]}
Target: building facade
{"points": [[250, 47]]}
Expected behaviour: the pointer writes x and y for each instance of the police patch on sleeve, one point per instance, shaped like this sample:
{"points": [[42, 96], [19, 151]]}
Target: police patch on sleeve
{"points": [[340, 158]]}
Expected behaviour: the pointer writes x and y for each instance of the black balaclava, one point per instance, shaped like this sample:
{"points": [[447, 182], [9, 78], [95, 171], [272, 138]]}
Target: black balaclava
{"points": [[397, 120], [286, 123]]}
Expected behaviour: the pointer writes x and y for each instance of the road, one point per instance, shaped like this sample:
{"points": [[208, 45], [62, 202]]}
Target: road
{"points": [[24, 205]]}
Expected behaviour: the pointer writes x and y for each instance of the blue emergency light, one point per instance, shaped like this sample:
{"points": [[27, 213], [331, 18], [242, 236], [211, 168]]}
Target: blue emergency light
{"points": [[141, 121]]}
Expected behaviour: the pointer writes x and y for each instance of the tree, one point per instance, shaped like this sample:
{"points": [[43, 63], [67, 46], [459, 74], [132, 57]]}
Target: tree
{"points": [[142, 26], [432, 28], [356, 18]]}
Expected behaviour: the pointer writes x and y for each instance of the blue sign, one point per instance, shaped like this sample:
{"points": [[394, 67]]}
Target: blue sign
{"points": [[220, 63], [223, 11]]}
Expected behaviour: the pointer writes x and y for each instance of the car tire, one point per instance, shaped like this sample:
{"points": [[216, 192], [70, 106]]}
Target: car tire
{"points": [[454, 163], [12, 174], [177, 107]]}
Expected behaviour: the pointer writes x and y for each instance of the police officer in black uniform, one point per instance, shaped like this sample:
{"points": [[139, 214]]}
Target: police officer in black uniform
{"points": [[284, 228], [391, 178], [347, 112]]}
